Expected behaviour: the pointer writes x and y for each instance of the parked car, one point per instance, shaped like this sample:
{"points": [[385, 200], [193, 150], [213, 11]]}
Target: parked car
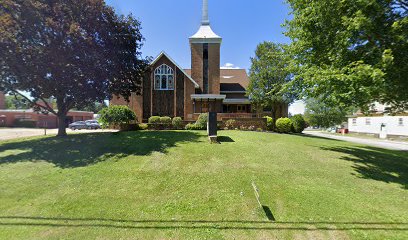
{"points": [[84, 125], [94, 124]]}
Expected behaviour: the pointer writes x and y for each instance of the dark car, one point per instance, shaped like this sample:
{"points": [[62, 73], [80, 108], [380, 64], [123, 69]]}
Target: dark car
{"points": [[84, 125]]}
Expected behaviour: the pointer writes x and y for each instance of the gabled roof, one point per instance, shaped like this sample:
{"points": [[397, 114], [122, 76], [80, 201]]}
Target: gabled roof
{"points": [[163, 53]]}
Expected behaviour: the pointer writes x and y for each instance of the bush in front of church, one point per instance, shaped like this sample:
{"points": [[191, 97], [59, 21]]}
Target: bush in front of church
{"points": [[298, 123], [165, 120], [284, 125], [202, 121], [154, 119], [177, 123], [269, 123], [115, 116]]}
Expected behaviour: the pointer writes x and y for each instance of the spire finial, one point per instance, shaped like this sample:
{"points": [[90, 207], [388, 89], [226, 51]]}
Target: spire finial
{"points": [[205, 20]]}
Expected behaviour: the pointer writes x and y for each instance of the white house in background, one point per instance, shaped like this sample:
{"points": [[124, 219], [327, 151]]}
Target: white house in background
{"points": [[379, 123]]}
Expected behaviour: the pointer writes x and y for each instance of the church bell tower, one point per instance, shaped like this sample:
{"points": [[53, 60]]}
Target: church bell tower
{"points": [[205, 56]]}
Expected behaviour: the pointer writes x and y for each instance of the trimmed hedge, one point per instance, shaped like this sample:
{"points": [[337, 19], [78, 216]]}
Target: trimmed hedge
{"points": [[269, 123], [177, 123], [298, 123], [165, 120], [154, 119], [284, 125]]}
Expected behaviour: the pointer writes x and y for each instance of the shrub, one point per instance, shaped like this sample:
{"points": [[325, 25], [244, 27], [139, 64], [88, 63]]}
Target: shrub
{"points": [[284, 125], [143, 126], [269, 123], [202, 121], [190, 126], [298, 123], [154, 119], [165, 120], [177, 123], [116, 115], [125, 127], [230, 124]]}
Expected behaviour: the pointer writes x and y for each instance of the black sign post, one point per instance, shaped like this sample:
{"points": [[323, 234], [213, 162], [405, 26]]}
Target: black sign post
{"points": [[212, 127]]}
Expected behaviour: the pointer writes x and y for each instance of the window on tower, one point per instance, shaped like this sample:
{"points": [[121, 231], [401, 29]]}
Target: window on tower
{"points": [[164, 78], [205, 68]]}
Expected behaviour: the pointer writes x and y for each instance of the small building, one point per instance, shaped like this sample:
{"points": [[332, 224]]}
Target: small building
{"points": [[16, 118], [379, 123]]}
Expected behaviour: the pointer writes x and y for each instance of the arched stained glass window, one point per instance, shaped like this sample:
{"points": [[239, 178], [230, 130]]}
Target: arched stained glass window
{"points": [[164, 78]]}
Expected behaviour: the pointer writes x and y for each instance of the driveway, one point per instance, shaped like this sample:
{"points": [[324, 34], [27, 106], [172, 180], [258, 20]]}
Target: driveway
{"points": [[392, 145], [14, 133]]}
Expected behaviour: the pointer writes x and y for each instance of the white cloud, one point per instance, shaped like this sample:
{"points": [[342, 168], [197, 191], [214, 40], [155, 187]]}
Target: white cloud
{"points": [[230, 66]]}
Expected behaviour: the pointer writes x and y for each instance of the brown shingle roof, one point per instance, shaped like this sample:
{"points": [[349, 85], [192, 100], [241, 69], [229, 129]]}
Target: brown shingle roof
{"points": [[231, 76]]}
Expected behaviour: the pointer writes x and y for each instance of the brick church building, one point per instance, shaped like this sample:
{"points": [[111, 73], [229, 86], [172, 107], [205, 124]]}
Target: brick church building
{"points": [[170, 90]]}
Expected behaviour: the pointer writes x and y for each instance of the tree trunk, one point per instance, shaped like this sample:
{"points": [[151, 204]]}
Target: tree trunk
{"points": [[62, 132]]}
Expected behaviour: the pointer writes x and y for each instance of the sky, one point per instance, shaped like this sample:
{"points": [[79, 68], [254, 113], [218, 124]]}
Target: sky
{"points": [[167, 25]]}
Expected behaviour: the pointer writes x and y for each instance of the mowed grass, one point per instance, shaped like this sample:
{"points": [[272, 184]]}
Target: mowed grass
{"points": [[175, 185]]}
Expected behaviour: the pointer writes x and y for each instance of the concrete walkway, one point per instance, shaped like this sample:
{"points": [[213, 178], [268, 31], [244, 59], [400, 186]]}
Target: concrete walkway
{"points": [[387, 144], [14, 133]]}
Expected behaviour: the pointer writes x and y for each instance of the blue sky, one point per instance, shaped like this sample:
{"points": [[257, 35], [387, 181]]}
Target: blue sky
{"points": [[167, 25]]}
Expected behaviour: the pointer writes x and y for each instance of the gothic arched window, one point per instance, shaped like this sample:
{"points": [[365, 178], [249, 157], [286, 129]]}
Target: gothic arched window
{"points": [[164, 78]]}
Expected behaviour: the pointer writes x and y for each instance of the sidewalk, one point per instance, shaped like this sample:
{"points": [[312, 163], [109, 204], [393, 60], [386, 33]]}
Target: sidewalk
{"points": [[392, 145]]}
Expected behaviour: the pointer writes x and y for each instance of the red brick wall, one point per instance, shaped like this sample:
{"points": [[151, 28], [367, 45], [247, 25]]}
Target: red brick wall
{"points": [[2, 101], [214, 68], [52, 122], [197, 63], [189, 89]]}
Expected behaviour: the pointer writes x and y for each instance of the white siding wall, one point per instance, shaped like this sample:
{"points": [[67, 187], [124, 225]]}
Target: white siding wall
{"points": [[392, 123]]}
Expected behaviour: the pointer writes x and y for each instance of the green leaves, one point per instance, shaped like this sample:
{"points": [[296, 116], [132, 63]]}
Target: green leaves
{"points": [[269, 75], [115, 115], [350, 52]]}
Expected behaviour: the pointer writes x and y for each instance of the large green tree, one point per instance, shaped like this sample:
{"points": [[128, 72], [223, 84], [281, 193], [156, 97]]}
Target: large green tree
{"points": [[351, 52], [74, 51], [320, 114], [269, 75]]}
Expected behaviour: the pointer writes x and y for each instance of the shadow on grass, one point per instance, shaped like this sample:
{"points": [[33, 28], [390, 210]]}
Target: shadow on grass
{"points": [[24, 221], [378, 164], [81, 150], [224, 139], [268, 213]]}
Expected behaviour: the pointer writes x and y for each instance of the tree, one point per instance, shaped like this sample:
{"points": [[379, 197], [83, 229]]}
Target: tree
{"points": [[269, 75], [352, 53], [116, 115], [320, 114], [94, 107], [16, 102], [77, 52]]}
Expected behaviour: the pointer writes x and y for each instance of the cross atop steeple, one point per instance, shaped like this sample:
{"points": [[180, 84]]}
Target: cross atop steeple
{"points": [[205, 20]]}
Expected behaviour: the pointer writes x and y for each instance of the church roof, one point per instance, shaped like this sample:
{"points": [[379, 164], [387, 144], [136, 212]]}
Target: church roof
{"points": [[232, 79]]}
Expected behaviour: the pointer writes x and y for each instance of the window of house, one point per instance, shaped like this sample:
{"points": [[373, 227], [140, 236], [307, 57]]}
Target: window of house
{"points": [[241, 108], [368, 121], [401, 122], [164, 78], [354, 121]]}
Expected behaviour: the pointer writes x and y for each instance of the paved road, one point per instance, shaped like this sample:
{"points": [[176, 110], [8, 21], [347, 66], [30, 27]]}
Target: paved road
{"points": [[393, 145], [14, 133]]}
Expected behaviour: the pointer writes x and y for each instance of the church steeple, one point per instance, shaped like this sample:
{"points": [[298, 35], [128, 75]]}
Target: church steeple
{"points": [[205, 20], [205, 34], [205, 56]]}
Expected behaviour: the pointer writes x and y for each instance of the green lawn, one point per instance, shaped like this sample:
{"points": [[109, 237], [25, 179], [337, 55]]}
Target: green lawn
{"points": [[175, 185]]}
